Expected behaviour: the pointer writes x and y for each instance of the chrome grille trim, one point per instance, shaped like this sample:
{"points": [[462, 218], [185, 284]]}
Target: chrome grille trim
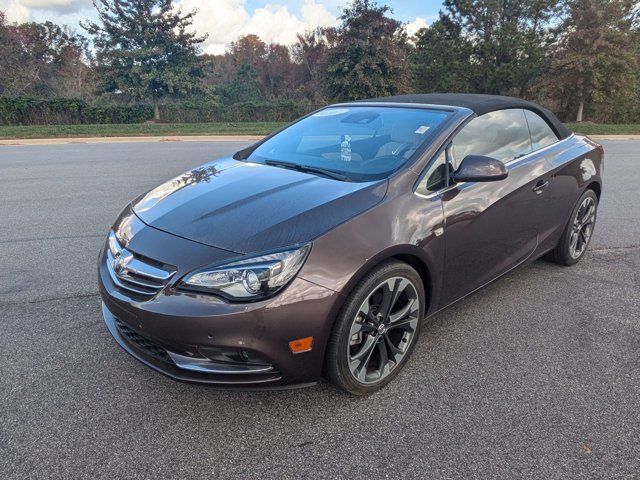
{"points": [[129, 272], [145, 270], [124, 276]]}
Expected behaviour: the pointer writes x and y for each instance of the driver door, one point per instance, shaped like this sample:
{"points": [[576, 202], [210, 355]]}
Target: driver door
{"points": [[490, 227]]}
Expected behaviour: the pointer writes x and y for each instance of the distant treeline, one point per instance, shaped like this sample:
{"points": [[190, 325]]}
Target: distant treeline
{"points": [[578, 57]]}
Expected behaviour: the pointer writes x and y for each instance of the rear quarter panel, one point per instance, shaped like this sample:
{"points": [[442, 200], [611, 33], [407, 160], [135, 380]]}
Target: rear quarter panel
{"points": [[575, 166]]}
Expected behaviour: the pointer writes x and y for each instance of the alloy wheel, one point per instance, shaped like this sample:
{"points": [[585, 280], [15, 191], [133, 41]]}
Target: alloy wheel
{"points": [[383, 330], [582, 227]]}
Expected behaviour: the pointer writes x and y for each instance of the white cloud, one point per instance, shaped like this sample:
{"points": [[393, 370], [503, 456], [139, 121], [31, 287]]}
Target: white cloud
{"points": [[413, 27], [223, 20], [59, 11], [15, 11], [317, 15], [48, 4], [226, 20]]}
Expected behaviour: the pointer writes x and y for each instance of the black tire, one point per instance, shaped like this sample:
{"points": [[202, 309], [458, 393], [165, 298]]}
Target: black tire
{"points": [[394, 333], [563, 253]]}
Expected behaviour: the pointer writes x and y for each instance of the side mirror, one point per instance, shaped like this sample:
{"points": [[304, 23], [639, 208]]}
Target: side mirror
{"points": [[476, 168]]}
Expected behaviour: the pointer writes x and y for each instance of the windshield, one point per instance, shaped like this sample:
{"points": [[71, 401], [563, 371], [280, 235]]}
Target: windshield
{"points": [[360, 143]]}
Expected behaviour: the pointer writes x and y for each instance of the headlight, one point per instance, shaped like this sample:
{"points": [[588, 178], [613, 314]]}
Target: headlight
{"points": [[251, 278]]}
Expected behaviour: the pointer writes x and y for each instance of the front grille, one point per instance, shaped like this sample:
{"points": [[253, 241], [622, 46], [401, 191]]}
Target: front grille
{"points": [[134, 273], [142, 343]]}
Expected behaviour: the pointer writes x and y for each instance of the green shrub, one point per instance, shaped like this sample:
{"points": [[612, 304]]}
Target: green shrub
{"points": [[256, 111], [72, 111], [67, 111]]}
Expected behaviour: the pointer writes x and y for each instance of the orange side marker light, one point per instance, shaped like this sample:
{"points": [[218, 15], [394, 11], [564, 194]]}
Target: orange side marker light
{"points": [[301, 345]]}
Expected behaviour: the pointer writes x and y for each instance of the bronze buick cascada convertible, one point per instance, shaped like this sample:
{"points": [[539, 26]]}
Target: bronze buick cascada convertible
{"points": [[320, 250]]}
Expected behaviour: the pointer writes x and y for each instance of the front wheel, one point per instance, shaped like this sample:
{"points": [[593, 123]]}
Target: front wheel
{"points": [[578, 232], [377, 329]]}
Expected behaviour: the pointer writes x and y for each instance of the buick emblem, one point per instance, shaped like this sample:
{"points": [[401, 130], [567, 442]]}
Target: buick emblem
{"points": [[120, 262]]}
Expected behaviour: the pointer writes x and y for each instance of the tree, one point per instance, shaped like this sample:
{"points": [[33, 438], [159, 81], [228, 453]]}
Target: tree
{"points": [[278, 71], [597, 56], [311, 53], [271, 62], [441, 57], [367, 56], [145, 50], [217, 69], [508, 41], [43, 59], [248, 49], [74, 75], [244, 86]]}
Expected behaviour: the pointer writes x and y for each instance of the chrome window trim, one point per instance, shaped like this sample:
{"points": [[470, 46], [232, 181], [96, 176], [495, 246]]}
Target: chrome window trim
{"points": [[422, 106], [513, 162]]}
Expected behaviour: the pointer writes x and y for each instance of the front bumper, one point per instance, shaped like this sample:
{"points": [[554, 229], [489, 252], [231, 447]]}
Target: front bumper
{"points": [[172, 331], [166, 366]]}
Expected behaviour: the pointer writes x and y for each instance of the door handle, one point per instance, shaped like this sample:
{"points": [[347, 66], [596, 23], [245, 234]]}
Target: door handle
{"points": [[540, 186]]}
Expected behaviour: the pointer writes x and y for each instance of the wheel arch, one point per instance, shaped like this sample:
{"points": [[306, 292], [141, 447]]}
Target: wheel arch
{"points": [[597, 189], [419, 266], [409, 254]]}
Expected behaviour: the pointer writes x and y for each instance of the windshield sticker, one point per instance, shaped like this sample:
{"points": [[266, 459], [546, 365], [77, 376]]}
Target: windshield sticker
{"points": [[330, 112], [345, 148], [422, 130]]}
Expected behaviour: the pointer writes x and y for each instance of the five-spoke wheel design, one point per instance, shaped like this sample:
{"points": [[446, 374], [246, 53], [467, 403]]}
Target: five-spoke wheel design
{"points": [[383, 329], [582, 227]]}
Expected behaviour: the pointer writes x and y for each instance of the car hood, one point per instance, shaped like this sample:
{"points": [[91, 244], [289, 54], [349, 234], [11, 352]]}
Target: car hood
{"points": [[248, 207]]}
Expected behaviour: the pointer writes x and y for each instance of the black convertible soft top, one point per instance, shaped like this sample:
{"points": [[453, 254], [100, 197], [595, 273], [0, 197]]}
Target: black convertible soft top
{"points": [[480, 104]]}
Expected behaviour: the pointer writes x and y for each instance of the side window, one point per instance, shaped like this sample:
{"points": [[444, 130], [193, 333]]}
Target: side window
{"points": [[541, 133], [503, 135], [436, 176]]}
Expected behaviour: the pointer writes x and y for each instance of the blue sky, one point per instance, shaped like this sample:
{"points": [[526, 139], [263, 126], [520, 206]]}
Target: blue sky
{"points": [[406, 10], [225, 20], [409, 10]]}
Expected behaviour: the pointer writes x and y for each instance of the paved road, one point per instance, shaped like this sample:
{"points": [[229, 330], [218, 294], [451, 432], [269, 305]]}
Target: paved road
{"points": [[537, 376]]}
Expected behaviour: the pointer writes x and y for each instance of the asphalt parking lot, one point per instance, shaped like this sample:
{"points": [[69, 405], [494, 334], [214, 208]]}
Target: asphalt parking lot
{"points": [[537, 376]]}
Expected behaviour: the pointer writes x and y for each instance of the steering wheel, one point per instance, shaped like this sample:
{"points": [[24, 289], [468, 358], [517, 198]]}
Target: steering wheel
{"points": [[402, 150]]}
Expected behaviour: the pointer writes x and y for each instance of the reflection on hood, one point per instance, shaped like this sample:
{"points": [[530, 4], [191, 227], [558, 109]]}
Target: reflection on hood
{"points": [[248, 207]]}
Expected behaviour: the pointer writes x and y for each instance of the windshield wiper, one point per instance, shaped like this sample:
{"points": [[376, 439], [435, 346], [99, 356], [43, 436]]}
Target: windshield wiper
{"points": [[308, 168]]}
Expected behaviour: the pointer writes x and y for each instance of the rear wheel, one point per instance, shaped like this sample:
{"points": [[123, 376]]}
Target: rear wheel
{"points": [[578, 232], [376, 331]]}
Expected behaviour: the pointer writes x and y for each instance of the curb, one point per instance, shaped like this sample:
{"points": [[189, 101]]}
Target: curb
{"points": [[615, 137], [152, 139]]}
